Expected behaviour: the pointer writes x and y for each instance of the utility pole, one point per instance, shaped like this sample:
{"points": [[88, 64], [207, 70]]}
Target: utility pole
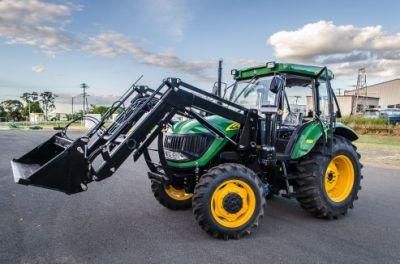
{"points": [[72, 105], [32, 96], [84, 86]]}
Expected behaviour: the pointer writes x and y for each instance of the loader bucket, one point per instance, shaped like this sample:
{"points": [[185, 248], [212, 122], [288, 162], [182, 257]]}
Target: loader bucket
{"points": [[57, 164]]}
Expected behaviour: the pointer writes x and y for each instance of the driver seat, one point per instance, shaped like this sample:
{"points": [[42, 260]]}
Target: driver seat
{"points": [[293, 119]]}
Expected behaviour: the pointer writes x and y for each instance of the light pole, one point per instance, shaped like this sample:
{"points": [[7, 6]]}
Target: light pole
{"points": [[73, 101], [33, 96], [84, 87]]}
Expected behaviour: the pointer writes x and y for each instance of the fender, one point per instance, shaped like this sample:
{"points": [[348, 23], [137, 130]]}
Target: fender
{"points": [[345, 131], [306, 140], [310, 135]]}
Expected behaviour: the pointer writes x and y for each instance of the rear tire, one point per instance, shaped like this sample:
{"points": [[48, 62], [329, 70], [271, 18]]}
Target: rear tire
{"points": [[228, 201], [171, 198], [327, 187]]}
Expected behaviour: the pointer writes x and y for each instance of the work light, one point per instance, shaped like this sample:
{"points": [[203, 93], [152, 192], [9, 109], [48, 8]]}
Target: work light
{"points": [[271, 64]]}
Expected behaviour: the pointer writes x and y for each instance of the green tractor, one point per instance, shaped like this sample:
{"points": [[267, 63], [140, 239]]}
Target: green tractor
{"points": [[272, 132]]}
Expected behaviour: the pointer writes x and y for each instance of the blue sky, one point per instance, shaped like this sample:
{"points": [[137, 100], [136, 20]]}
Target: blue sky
{"points": [[56, 45]]}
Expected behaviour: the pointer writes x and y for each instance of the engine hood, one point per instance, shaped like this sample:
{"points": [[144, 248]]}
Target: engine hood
{"points": [[192, 126]]}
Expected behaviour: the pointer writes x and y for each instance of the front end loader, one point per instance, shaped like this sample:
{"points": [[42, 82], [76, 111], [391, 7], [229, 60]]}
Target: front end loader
{"points": [[272, 132]]}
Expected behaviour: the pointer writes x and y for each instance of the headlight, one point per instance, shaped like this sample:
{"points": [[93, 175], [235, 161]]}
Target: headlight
{"points": [[173, 155], [271, 64]]}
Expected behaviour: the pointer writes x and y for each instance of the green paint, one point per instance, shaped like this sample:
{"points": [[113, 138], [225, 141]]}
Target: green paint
{"points": [[213, 150], [290, 68], [192, 126], [307, 139], [312, 133]]}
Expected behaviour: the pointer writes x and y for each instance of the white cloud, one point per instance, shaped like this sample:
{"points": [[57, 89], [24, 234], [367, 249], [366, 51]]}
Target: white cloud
{"points": [[40, 24], [36, 23], [378, 68], [111, 44], [38, 68], [344, 47]]}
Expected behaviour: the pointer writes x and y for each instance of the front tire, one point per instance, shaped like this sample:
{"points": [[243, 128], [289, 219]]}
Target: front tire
{"points": [[171, 197], [328, 186], [228, 201]]}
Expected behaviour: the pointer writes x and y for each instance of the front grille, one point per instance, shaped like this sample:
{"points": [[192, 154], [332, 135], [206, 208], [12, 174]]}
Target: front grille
{"points": [[193, 145]]}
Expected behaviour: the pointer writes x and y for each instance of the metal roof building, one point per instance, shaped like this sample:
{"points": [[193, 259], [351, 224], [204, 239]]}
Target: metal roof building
{"points": [[388, 93]]}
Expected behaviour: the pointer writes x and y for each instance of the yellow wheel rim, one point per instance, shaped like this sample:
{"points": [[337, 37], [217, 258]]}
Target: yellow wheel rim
{"points": [[178, 194], [339, 178], [233, 203]]}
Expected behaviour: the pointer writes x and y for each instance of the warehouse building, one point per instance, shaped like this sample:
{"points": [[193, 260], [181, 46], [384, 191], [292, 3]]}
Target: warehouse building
{"points": [[350, 103], [347, 103], [388, 93]]}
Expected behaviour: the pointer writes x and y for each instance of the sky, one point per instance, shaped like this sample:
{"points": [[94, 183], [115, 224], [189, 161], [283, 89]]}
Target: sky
{"points": [[56, 45]]}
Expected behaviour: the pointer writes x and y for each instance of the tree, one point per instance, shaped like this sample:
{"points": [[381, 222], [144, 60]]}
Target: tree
{"points": [[13, 109], [32, 103], [47, 100], [75, 115], [34, 108], [30, 97], [101, 109], [3, 114]]}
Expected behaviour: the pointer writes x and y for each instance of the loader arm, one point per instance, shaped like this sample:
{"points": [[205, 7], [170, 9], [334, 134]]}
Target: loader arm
{"points": [[179, 96], [70, 165]]}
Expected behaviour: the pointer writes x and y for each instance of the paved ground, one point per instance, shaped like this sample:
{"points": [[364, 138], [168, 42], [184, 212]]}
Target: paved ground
{"points": [[119, 221]]}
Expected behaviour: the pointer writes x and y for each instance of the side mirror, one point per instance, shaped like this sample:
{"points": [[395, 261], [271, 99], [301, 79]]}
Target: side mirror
{"points": [[275, 85]]}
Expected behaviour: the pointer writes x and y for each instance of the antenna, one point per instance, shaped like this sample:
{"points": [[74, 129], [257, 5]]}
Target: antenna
{"points": [[360, 91]]}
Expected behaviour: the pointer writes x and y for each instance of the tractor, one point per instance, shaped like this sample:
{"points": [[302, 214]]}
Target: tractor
{"points": [[224, 154]]}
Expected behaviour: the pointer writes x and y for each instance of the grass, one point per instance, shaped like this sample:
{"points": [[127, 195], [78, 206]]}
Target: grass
{"points": [[379, 141], [372, 126], [357, 120], [379, 150]]}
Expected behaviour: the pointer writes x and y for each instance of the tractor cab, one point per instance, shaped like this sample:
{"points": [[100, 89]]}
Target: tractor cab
{"points": [[288, 92]]}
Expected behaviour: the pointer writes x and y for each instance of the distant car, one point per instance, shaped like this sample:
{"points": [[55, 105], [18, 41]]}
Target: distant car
{"points": [[392, 114], [372, 113]]}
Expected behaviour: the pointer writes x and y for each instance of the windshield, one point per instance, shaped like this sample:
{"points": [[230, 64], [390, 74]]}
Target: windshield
{"points": [[253, 93], [391, 111], [371, 113]]}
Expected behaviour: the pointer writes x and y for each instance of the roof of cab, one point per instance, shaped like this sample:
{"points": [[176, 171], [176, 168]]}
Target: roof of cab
{"points": [[272, 68]]}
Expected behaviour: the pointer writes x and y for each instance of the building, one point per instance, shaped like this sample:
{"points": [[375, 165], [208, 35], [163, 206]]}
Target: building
{"points": [[36, 117], [347, 103], [388, 93]]}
